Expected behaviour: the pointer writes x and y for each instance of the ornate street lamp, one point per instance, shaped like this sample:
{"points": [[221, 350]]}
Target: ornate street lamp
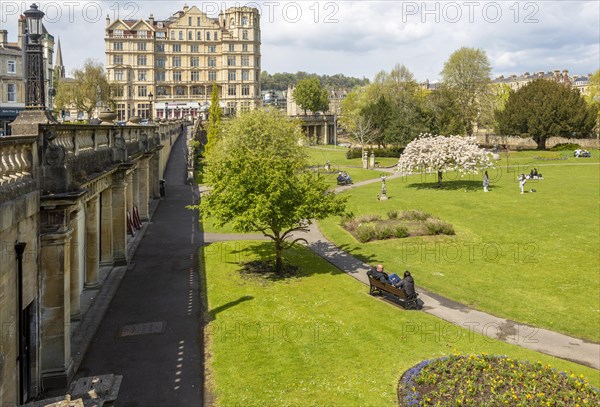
{"points": [[150, 100], [166, 110], [35, 94]]}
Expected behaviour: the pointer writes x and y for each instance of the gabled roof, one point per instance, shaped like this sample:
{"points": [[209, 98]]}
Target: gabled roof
{"points": [[133, 24], [118, 23]]}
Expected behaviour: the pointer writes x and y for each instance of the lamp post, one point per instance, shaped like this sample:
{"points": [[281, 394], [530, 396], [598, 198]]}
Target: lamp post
{"points": [[150, 100], [34, 88], [167, 110]]}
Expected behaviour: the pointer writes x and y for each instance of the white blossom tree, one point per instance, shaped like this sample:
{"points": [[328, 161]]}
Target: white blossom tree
{"points": [[429, 153]]}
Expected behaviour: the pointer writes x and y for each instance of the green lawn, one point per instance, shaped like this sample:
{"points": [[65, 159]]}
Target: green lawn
{"points": [[532, 258], [319, 339], [318, 156]]}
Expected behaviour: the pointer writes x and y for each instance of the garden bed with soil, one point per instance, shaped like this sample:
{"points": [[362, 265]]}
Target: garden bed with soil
{"points": [[401, 224]]}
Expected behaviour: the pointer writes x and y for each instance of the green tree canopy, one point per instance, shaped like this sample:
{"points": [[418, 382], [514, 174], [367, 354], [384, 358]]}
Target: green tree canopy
{"points": [[214, 119], [310, 95], [544, 108], [281, 81], [88, 90], [258, 180], [393, 105], [467, 74]]}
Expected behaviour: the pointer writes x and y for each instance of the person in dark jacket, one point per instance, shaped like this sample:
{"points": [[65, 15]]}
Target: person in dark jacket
{"points": [[408, 284], [378, 274]]}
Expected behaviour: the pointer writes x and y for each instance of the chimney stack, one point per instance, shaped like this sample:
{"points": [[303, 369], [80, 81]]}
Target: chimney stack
{"points": [[151, 20]]}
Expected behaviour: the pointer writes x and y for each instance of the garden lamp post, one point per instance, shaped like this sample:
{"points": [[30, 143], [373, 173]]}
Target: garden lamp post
{"points": [[34, 88]]}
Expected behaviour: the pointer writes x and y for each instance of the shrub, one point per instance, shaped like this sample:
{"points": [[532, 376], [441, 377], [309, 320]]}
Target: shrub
{"points": [[438, 227], [414, 215], [393, 214], [400, 231], [565, 146], [368, 218], [383, 232], [365, 232]]}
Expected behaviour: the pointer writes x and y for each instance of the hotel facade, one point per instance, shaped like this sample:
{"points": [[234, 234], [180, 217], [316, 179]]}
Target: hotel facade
{"points": [[166, 69]]}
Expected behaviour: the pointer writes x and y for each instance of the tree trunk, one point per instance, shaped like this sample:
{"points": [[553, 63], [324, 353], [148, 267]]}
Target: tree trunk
{"points": [[541, 143], [278, 256], [439, 179]]}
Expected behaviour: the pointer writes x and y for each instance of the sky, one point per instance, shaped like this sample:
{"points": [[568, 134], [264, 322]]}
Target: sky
{"points": [[361, 38]]}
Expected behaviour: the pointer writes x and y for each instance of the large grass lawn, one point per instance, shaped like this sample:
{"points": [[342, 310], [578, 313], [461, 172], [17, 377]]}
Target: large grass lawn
{"points": [[532, 258], [319, 339]]}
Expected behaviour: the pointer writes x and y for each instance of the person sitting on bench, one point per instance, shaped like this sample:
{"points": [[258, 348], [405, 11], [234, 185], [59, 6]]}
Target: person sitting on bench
{"points": [[407, 284], [378, 274]]}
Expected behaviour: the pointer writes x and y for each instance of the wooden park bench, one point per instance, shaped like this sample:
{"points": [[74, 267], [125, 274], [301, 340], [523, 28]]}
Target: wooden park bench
{"points": [[410, 302]]}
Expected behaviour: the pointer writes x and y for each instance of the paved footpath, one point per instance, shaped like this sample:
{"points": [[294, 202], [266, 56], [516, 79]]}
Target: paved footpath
{"points": [[538, 339], [541, 340], [152, 333]]}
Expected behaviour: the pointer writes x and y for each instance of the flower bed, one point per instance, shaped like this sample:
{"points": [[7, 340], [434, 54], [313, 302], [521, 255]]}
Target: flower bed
{"points": [[478, 380], [398, 225]]}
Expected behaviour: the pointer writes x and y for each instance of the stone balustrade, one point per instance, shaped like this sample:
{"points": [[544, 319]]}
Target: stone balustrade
{"points": [[67, 192], [17, 162]]}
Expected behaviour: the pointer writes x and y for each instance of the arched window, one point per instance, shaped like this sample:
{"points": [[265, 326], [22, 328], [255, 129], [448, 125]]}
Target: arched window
{"points": [[244, 21], [190, 35], [208, 35], [231, 23], [199, 35]]}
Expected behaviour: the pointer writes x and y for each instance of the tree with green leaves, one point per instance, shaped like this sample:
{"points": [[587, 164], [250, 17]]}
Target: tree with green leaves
{"points": [[393, 104], [214, 119], [467, 74], [593, 98], [545, 108], [89, 89], [310, 95], [258, 180]]}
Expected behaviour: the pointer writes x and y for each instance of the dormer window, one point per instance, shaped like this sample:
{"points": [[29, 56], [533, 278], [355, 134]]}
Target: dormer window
{"points": [[231, 23], [142, 34], [244, 21]]}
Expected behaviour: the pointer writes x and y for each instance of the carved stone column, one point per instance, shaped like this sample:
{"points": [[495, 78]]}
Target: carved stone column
{"points": [[55, 316], [155, 177], [74, 275], [106, 228], [91, 244], [129, 191], [119, 202], [144, 187], [135, 190]]}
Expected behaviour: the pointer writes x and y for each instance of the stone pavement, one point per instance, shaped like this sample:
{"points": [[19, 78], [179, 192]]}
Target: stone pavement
{"points": [[152, 331]]}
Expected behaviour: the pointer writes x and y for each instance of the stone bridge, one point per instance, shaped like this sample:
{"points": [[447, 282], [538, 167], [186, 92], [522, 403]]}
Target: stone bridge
{"points": [[70, 198]]}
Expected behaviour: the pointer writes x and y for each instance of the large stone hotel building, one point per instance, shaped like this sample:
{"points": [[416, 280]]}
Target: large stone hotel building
{"points": [[170, 66]]}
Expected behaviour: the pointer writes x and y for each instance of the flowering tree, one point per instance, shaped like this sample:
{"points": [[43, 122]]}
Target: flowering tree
{"points": [[442, 154]]}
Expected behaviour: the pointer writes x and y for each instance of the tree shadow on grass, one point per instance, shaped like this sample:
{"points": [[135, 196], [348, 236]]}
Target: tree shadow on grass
{"points": [[257, 261], [455, 185], [212, 314]]}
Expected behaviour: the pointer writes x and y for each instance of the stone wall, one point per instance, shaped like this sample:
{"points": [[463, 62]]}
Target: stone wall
{"points": [[52, 187], [522, 143]]}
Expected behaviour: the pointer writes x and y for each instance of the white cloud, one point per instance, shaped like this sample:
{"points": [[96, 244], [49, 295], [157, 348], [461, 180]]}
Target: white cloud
{"points": [[360, 38]]}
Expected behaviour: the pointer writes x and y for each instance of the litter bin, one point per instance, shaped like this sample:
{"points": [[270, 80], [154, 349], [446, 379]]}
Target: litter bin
{"points": [[162, 188]]}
